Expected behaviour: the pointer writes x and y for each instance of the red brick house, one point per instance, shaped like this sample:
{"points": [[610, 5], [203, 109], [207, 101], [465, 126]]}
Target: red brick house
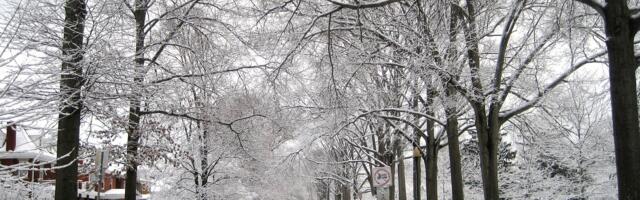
{"points": [[19, 150], [34, 164]]}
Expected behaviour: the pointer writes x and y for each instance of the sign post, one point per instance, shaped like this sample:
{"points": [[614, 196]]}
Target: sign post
{"points": [[382, 193], [102, 160], [382, 181]]}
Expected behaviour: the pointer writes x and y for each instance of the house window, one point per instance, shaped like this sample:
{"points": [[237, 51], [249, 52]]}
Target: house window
{"points": [[22, 173]]}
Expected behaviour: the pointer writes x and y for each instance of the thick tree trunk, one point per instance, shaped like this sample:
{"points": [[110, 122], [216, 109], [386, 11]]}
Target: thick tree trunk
{"points": [[402, 188], [431, 159], [487, 144], [204, 164], [385, 151], [392, 188], [416, 176], [346, 192], [624, 102], [71, 82], [132, 152], [486, 127], [322, 191], [416, 145], [133, 129], [431, 178], [71, 101], [457, 187]]}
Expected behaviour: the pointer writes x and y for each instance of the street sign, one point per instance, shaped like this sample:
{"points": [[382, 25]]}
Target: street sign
{"points": [[381, 177], [416, 152], [102, 158]]}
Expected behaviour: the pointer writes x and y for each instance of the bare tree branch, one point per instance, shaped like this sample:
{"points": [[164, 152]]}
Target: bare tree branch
{"points": [[595, 5], [364, 5]]}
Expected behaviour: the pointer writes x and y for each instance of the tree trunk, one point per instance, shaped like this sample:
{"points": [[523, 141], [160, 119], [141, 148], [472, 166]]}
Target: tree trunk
{"points": [[373, 145], [392, 188], [402, 188], [431, 163], [486, 127], [346, 192], [487, 144], [328, 191], [133, 129], [431, 160], [385, 151], [457, 187], [624, 102], [71, 82], [416, 176], [203, 149], [204, 163], [416, 144]]}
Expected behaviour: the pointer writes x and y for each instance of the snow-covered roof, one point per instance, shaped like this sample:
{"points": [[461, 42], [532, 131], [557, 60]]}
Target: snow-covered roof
{"points": [[37, 155], [25, 149], [110, 194]]}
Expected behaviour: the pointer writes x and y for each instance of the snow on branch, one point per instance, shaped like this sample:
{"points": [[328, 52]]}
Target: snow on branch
{"points": [[207, 74], [540, 47], [181, 115], [595, 5], [172, 34], [405, 111], [7, 169], [506, 115], [364, 5]]}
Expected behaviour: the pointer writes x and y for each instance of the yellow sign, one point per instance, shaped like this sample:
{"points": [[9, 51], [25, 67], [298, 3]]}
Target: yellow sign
{"points": [[416, 152]]}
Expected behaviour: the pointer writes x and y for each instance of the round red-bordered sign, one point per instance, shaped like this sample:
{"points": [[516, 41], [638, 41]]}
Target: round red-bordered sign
{"points": [[381, 176]]}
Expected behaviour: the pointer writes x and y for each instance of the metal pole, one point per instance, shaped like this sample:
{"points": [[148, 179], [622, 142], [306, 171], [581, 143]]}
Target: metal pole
{"points": [[100, 175]]}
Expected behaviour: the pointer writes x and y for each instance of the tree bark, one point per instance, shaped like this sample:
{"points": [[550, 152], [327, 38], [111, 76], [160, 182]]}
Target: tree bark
{"points": [[431, 163], [385, 151], [133, 129], [487, 127], [416, 176], [373, 145], [204, 163], [624, 102], [402, 188], [392, 188], [457, 186], [71, 82], [431, 159], [487, 142], [346, 192], [416, 144]]}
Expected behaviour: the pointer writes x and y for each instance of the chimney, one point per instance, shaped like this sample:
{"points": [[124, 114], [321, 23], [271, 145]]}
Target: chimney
{"points": [[11, 137]]}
